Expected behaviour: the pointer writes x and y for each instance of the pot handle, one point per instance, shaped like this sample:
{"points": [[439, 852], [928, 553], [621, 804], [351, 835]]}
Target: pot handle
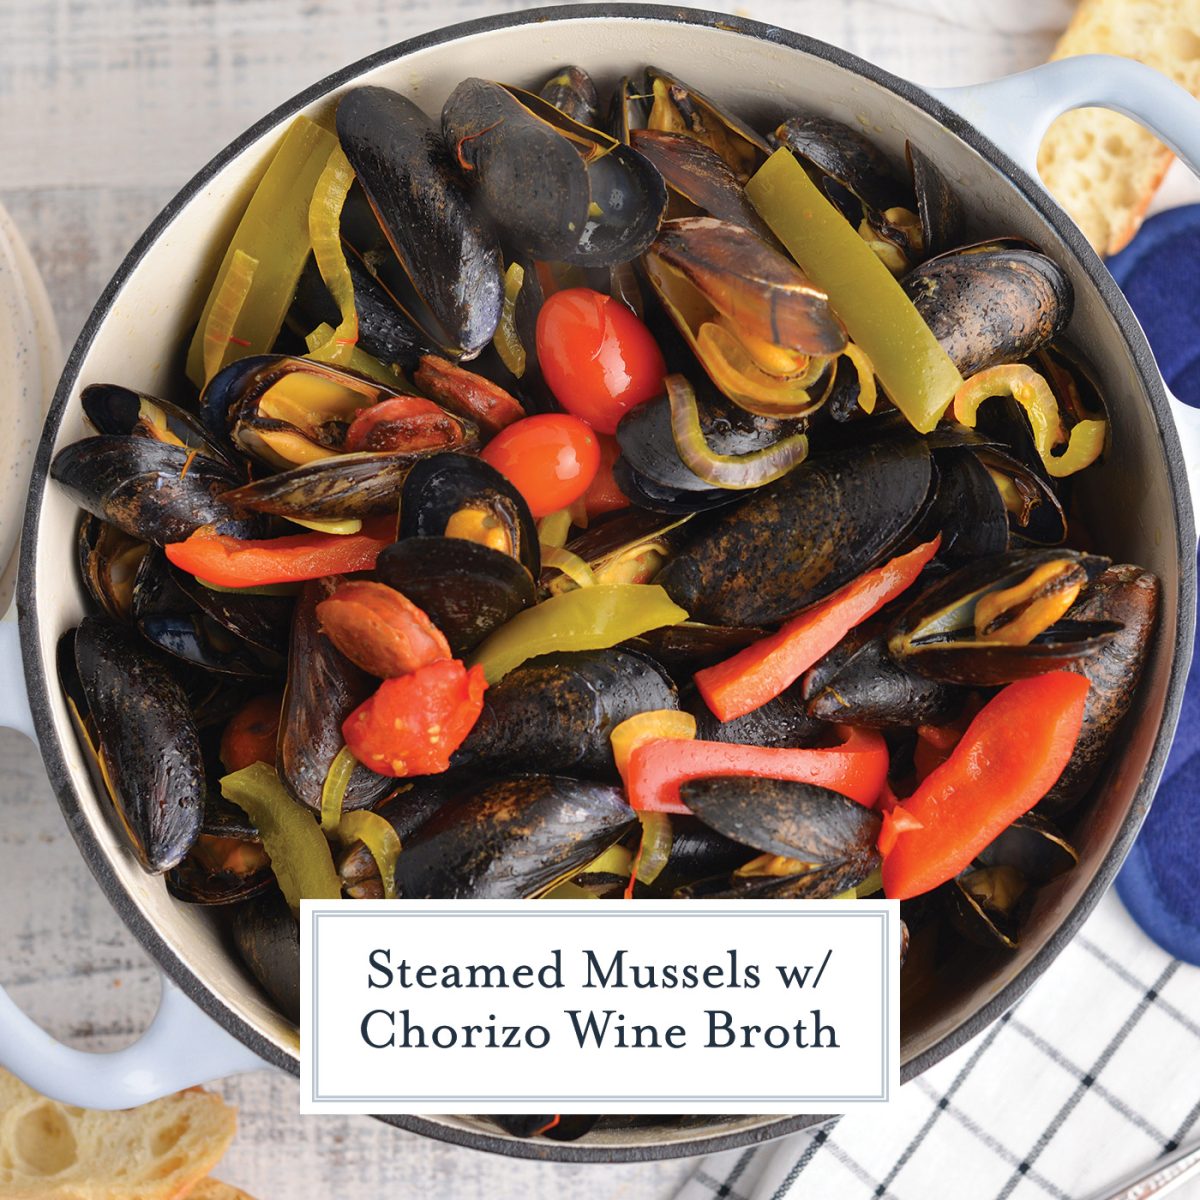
{"points": [[183, 1045], [1016, 111]]}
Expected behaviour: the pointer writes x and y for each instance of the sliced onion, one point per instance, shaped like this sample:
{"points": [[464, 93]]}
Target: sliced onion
{"points": [[657, 838], [726, 470], [506, 338], [867, 390], [571, 565], [226, 308], [333, 790], [325, 230], [377, 834]]}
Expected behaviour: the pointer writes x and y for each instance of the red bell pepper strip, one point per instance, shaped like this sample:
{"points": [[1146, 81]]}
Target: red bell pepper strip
{"points": [[236, 562], [414, 722], [769, 666], [857, 768], [1010, 756]]}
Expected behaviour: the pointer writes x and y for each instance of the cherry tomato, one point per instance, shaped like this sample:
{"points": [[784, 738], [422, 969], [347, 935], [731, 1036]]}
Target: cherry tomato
{"points": [[597, 357], [604, 495], [551, 459]]}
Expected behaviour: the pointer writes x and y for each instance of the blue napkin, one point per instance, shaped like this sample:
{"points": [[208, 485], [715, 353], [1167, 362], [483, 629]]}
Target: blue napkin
{"points": [[1160, 883]]}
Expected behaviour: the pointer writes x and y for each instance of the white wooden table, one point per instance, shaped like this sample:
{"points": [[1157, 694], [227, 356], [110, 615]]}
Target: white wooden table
{"points": [[106, 108]]}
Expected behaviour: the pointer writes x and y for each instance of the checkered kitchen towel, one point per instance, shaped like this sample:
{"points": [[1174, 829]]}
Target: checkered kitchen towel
{"points": [[1090, 1077]]}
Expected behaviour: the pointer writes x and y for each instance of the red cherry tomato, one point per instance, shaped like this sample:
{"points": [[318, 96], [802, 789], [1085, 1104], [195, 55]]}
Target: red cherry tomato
{"points": [[604, 495], [550, 459], [597, 357]]}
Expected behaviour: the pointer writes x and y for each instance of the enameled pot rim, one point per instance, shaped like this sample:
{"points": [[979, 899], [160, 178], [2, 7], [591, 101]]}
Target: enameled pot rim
{"points": [[38, 683]]}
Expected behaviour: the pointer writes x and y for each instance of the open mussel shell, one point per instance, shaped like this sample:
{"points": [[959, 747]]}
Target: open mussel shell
{"points": [[512, 839], [573, 93], [323, 689], [147, 740], [781, 722], [648, 444], [362, 484], [267, 935], [557, 712], [848, 158], [943, 218], [679, 108], [698, 855], [985, 905], [872, 689], [263, 622], [458, 495], [557, 1127], [113, 409], [1034, 511], [701, 260], [648, 494], [151, 490], [628, 546], [936, 636], [108, 564], [968, 510], [796, 540], [1130, 596], [558, 190], [1034, 847], [221, 869], [451, 258], [700, 178], [167, 616], [467, 589], [990, 306], [408, 807]]}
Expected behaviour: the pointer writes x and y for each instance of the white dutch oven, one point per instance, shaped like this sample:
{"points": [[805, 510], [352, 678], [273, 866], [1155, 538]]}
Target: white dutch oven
{"points": [[213, 1020]]}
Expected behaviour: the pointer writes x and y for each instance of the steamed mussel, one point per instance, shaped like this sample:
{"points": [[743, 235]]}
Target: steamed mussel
{"points": [[570, 528]]}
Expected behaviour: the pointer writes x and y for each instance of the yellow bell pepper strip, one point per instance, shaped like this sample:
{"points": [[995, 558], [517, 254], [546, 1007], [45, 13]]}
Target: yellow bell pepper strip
{"points": [[325, 233], [226, 308], [230, 562], [752, 677], [867, 391], [857, 768], [274, 231], [726, 470], [290, 835], [380, 839], [1010, 756], [649, 727], [1033, 394], [506, 339], [591, 618], [357, 360], [554, 528], [333, 790], [916, 373]]}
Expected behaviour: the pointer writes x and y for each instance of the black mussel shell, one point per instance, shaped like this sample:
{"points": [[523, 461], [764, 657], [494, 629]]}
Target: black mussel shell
{"points": [[559, 1128], [687, 647], [150, 490], [167, 616], [323, 689], [267, 935], [215, 872], [935, 636], [440, 487], [1036, 515], [556, 712], [117, 410], [467, 589], [511, 839], [698, 855], [628, 109], [263, 622], [943, 218], [1131, 596], [1034, 847], [991, 306], [798, 539], [559, 190], [800, 821], [848, 158], [108, 563], [781, 722], [451, 258], [872, 689], [646, 493], [968, 510], [147, 738], [699, 176], [985, 905], [572, 92]]}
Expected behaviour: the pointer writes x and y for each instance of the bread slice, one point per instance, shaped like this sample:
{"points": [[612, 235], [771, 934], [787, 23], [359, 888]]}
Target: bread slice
{"points": [[52, 1151], [1102, 167], [214, 1189]]}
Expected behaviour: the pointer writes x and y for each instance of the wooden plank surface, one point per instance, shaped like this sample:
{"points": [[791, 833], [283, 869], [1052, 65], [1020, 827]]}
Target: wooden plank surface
{"points": [[106, 107]]}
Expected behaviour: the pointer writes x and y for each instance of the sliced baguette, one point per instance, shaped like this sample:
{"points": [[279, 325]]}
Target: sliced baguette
{"points": [[1102, 167], [214, 1189], [51, 1151]]}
